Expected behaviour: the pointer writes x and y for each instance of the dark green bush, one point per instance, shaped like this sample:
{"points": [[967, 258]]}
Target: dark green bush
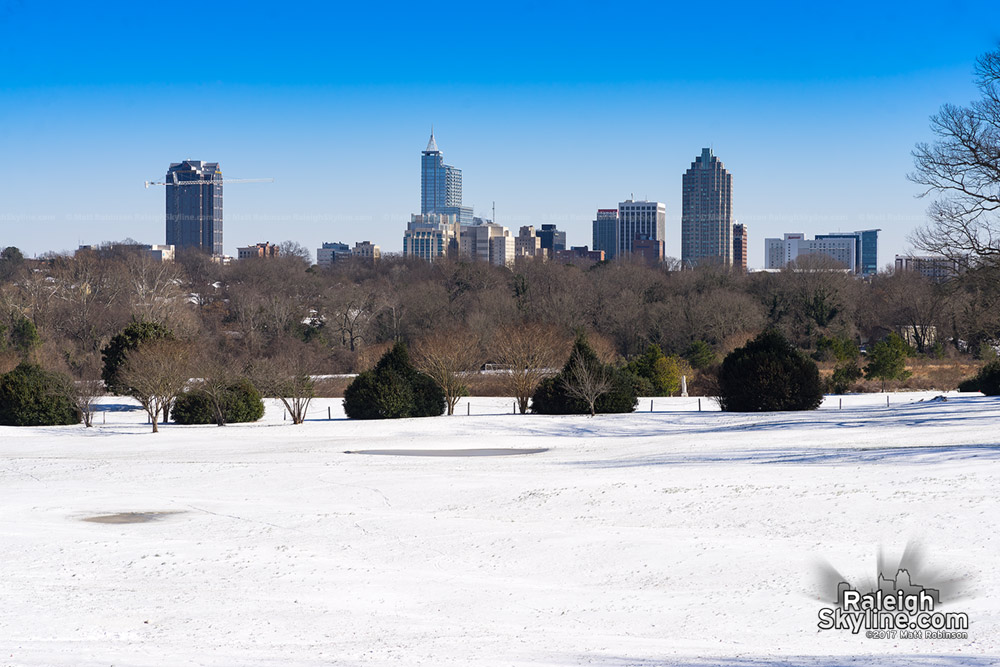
{"points": [[768, 374], [700, 355], [987, 380], [240, 402], [552, 398], [32, 396], [393, 389]]}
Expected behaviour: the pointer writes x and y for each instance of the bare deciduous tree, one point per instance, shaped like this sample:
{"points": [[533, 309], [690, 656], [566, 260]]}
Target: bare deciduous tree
{"points": [[445, 356], [526, 355], [87, 385], [963, 165], [287, 377], [587, 381], [156, 372]]}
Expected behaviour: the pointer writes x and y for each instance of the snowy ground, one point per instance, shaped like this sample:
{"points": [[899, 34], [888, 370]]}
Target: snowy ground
{"points": [[670, 537]]}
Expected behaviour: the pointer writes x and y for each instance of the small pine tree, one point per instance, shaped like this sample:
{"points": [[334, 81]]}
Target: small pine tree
{"points": [[768, 374], [887, 360], [700, 355], [987, 380]]}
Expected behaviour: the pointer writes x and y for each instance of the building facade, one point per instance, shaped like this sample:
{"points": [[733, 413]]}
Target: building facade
{"points": [[441, 186], [707, 212], [488, 242], [194, 206], [778, 253], [331, 252], [580, 256], [553, 239], [648, 250], [740, 244], [936, 269], [527, 243], [606, 231], [258, 251], [639, 220], [366, 250], [432, 236], [866, 249]]}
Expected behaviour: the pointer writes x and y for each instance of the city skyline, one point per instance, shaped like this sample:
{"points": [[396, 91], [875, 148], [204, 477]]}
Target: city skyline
{"points": [[338, 133]]}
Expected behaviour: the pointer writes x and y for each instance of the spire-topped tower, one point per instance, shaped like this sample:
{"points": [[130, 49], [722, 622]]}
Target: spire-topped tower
{"points": [[441, 185]]}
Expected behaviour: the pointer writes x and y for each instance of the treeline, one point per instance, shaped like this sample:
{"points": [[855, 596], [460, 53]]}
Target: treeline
{"points": [[64, 310]]}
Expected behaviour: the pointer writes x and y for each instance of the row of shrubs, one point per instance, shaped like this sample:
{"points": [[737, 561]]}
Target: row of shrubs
{"points": [[767, 374]]}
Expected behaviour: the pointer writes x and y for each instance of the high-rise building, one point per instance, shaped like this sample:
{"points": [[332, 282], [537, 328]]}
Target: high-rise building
{"points": [[366, 250], [488, 242], [527, 243], [553, 240], [432, 236], [707, 212], [606, 231], [441, 186], [779, 252], [639, 220], [194, 206], [740, 245], [866, 249]]}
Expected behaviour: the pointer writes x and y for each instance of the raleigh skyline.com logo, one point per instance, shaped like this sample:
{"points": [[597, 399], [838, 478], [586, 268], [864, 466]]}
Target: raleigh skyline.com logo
{"points": [[896, 608]]}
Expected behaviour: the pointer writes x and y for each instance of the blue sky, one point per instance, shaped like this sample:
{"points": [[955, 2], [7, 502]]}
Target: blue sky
{"points": [[550, 111]]}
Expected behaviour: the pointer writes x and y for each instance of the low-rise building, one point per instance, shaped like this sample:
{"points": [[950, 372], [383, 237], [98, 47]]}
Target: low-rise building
{"points": [[257, 251], [366, 250], [934, 268]]}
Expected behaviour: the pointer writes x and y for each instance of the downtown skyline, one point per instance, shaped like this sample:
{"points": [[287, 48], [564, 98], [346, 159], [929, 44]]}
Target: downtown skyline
{"points": [[817, 143]]}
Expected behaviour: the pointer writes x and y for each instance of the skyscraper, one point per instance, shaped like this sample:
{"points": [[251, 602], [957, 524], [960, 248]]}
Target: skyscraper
{"points": [[194, 206], [707, 212], [646, 220], [441, 186], [740, 246], [606, 231]]}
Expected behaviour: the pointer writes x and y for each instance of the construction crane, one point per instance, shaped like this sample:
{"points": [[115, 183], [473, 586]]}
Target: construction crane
{"points": [[225, 181]]}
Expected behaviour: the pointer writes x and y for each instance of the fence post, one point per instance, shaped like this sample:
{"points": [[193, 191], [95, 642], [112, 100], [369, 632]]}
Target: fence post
{"points": [[699, 405], [887, 400], [841, 404], [329, 415], [284, 415], [650, 405], [468, 408], [104, 417]]}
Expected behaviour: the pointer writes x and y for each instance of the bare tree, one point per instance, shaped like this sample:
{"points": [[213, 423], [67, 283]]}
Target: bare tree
{"points": [[526, 355], [156, 372], [445, 356], [87, 385], [963, 165], [587, 381], [287, 377]]}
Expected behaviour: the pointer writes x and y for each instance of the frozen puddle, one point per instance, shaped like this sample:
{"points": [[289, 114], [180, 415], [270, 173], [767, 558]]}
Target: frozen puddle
{"points": [[129, 517], [449, 452]]}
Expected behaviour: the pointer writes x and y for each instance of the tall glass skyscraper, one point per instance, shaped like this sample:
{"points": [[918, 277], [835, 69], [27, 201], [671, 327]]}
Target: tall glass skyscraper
{"points": [[707, 212], [866, 260], [194, 206], [441, 186]]}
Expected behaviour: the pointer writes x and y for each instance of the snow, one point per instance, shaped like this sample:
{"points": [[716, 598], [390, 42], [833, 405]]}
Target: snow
{"points": [[672, 537]]}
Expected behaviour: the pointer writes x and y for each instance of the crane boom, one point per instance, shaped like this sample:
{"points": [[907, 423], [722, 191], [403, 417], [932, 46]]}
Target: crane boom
{"points": [[225, 181]]}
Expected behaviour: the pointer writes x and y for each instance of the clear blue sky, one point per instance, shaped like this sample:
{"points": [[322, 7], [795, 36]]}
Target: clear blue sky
{"points": [[551, 112]]}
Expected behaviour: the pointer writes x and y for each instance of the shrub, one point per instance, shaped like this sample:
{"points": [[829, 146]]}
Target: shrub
{"points": [[121, 344], [662, 374], [239, 402], [32, 396], [393, 389], [768, 374], [613, 389], [844, 376], [987, 380]]}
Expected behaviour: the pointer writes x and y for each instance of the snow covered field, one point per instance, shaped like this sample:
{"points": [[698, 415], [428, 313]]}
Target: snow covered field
{"points": [[666, 538]]}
